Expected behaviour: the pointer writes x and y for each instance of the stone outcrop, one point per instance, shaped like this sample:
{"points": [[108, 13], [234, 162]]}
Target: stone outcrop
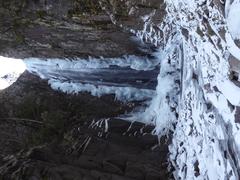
{"points": [[74, 28]]}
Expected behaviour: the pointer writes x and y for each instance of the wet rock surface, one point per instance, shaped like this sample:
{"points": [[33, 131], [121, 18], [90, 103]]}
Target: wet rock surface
{"points": [[70, 29]]}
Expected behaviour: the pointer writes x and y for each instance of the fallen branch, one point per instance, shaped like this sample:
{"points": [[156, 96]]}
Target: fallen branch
{"points": [[22, 119]]}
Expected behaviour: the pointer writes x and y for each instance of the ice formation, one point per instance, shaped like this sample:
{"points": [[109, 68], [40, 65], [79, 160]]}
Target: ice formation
{"points": [[58, 73]]}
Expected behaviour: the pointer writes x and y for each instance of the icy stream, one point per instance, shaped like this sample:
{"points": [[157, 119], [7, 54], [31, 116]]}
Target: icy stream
{"points": [[128, 78]]}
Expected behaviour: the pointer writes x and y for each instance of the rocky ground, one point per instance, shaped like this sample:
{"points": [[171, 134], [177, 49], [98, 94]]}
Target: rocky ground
{"points": [[46, 134]]}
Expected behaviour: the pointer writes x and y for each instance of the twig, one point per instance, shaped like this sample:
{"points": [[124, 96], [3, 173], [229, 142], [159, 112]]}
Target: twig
{"points": [[22, 119]]}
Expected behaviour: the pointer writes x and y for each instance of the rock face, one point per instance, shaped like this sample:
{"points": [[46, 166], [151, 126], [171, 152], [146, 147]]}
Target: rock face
{"points": [[85, 154], [50, 135], [73, 28]]}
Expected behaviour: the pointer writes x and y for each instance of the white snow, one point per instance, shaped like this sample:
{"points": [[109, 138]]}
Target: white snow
{"points": [[206, 136], [134, 62], [121, 93], [230, 91], [232, 47], [233, 19], [10, 70], [232, 12]]}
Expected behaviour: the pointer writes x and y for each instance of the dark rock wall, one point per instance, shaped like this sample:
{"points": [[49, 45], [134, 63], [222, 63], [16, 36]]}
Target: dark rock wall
{"points": [[50, 135], [62, 28]]}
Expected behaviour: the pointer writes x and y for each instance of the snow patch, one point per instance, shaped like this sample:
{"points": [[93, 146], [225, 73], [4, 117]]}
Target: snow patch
{"points": [[121, 93], [233, 20], [134, 62], [230, 91], [232, 47]]}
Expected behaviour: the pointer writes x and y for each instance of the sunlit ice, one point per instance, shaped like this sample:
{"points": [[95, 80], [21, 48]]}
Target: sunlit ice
{"points": [[10, 70]]}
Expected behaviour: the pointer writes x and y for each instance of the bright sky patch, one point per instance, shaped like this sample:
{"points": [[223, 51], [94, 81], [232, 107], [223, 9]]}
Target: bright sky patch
{"points": [[10, 70]]}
